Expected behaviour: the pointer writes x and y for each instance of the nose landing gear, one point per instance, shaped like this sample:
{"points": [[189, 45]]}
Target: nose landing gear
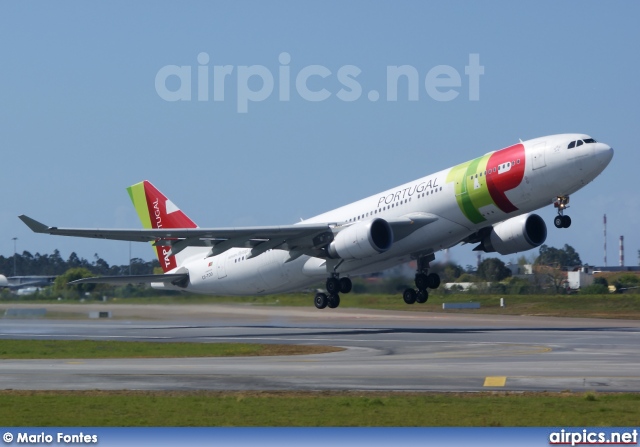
{"points": [[561, 221]]}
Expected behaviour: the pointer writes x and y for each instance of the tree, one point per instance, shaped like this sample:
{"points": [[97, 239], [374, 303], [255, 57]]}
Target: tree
{"points": [[558, 257], [448, 271], [547, 275], [51, 265], [601, 280], [493, 269], [61, 283]]}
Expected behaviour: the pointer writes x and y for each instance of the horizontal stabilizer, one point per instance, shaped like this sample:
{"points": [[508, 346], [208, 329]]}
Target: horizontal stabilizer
{"points": [[177, 279]]}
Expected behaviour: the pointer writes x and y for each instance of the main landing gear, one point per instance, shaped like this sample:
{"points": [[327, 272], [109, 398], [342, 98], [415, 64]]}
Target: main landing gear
{"points": [[562, 221], [334, 286], [423, 281]]}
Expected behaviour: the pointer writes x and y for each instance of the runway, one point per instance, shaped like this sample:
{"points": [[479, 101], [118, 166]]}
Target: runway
{"points": [[384, 350]]}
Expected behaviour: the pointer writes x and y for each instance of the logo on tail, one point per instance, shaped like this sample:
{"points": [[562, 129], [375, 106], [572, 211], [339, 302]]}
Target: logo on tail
{"points": [[156, 211]]}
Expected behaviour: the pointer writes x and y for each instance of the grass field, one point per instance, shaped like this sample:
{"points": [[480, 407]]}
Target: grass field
{"points": [[90, 349], [621, 306], [202, 408], [625, 306]]}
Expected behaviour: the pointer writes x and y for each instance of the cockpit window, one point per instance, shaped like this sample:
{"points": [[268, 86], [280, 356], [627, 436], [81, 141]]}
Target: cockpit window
{"points": [[571, 145], [589, 140], [579, 143]]}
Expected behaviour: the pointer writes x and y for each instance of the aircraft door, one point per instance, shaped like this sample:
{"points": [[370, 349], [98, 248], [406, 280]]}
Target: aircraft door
{"points": [[538, 156], [221, 266], [271, 269]]}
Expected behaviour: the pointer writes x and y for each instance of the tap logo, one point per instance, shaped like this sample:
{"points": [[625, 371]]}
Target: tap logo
{"points": [[485, 180], [156, 211]]}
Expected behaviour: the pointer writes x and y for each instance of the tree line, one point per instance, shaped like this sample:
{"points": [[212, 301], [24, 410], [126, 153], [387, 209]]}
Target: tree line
{"points": [[27, 264]]}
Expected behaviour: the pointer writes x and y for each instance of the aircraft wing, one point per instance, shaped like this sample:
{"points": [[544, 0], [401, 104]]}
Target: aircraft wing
{"points": [[304, 237], [403, 226]]}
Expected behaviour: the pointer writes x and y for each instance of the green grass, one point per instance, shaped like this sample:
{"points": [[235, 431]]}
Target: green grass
{"points": [[621, 306], [89, 349], [594, 306], [315, 409]]}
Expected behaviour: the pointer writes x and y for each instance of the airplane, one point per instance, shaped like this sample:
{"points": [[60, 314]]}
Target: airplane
{"points": [[26, 282], [486, 201]]}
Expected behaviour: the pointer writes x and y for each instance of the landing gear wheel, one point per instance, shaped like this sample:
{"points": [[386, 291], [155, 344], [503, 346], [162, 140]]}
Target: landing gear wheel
{"points": [[320, 300], [333, 285], [558, 221], [566, 221], [345, 285], [422, 296], [334, 300], [422, 281], [433, 280], [409, 296]]}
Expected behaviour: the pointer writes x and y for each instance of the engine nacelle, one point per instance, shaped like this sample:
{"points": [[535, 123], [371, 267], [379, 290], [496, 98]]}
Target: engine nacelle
{"points": [[362, 240], [517, 234]]}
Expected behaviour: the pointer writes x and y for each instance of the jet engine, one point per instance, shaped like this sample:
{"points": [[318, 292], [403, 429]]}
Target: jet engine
{"points": [[514, 235], [362, 239]]}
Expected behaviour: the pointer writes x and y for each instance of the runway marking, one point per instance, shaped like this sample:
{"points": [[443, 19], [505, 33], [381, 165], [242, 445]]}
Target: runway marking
{"points": [[495, 381]]}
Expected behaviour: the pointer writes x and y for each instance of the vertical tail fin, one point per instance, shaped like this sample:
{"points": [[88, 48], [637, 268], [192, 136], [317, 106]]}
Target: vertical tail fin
{"points": [[156, 211]]}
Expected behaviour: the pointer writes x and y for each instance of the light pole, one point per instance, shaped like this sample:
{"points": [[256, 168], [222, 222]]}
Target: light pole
{"points": [[14, 255]]}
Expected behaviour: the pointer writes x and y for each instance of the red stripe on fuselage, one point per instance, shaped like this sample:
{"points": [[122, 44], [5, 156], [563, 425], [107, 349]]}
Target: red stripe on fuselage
{"points": [[509, 164]]}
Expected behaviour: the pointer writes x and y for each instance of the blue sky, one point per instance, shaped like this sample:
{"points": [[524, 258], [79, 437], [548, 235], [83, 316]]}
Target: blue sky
{"points": [[81, 119]]}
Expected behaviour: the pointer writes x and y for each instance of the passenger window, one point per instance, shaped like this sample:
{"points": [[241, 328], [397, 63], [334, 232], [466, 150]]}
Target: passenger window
{"points": [[571, 145]]}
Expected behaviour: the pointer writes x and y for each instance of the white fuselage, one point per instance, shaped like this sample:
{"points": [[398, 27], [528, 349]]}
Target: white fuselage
{"points": [[548, 169]]}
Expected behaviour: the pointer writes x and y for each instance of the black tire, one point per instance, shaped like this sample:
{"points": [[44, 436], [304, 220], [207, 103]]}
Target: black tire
{"points": [[333, 285], [422, 296], [345, 285], [334, 301], [566, 221], [433, 280], [558, 221], [422, 281], [320, 300], [409, 296]]}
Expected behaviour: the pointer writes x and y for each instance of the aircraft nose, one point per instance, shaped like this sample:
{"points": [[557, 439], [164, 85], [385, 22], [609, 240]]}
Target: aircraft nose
{"points": [[604, 153]]}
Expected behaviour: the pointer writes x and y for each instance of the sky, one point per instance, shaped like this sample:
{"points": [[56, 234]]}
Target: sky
{"points": [[95, 97]]}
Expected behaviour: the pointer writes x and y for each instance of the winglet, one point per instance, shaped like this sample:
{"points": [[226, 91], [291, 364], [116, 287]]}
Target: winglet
{"points": [[34, 225]]}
